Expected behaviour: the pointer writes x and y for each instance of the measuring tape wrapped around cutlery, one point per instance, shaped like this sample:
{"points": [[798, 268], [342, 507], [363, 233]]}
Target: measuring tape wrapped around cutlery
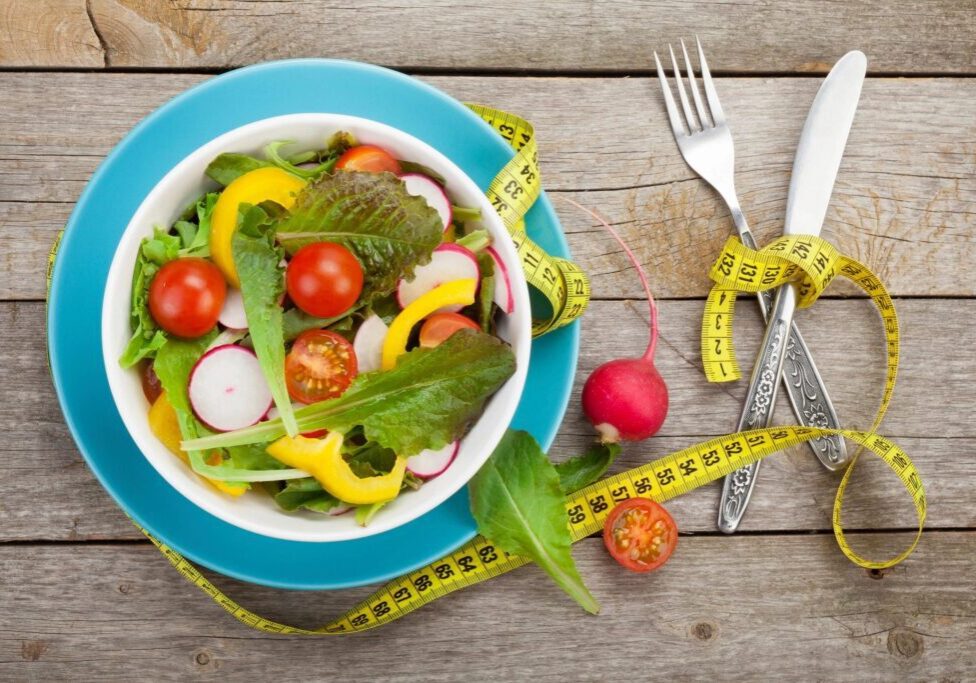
{"points": [[809, 261]]}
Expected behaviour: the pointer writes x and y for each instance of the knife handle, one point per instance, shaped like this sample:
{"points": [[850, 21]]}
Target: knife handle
{"points": [[804, 385], [760, 400]]}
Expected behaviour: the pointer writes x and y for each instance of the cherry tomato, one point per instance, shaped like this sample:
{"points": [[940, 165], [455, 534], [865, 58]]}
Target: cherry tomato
{"points": [[438, 327], [368, 158], [320, 365], [186, 296], [151, 385], [324, 279], [640, 534]]}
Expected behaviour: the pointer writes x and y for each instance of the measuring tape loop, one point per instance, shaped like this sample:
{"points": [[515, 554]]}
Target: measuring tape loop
{"points": [[809, 263], [512, 193]]}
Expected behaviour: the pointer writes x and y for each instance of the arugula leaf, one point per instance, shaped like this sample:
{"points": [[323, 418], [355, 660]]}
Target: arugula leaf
{"points": [[228, 167], [426, 401], [371, 459], [147, 339], [371, 214], [486, 294], [582, 470], [262, 283], [305, 493], [518, 504], [327, 160]]}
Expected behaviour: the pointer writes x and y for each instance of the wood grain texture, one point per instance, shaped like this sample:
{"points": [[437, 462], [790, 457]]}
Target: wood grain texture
{"points": [[903, 203], [772, 608], [899, 36], [932, 417], [46, 33]]}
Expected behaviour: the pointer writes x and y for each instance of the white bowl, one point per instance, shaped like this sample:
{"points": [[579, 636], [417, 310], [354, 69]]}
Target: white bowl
{"points": [[256, 511]]}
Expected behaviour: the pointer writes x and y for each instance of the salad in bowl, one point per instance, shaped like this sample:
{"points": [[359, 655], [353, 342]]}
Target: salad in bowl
{"points": [[316, 327]]}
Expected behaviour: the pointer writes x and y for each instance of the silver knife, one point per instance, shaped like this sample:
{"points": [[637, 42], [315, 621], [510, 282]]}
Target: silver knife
{"points": [[815, 166]]}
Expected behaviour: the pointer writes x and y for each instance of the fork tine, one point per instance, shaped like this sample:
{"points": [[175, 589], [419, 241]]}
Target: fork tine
{"points": [[676, 124], [718, 116], [682, 95], [693, 86]]}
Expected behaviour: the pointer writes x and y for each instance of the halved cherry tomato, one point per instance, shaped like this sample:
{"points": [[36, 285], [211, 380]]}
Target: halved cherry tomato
{"points": [[368, 158], [186, 296], [640, 534], [438, 327], [324, 279], [320, 365]]}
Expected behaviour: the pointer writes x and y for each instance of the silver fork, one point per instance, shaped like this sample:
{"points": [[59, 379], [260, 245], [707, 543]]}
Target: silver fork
{"points": [[705, 141]]}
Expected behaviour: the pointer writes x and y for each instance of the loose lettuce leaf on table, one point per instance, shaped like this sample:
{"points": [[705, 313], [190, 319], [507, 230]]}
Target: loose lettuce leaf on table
{"points": [[371, 214], [518, 502], [582, 470], [426, 401], [257, 258]]}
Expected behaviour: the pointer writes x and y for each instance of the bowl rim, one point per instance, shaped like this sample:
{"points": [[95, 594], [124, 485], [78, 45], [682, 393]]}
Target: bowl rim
{"points": [[153, 450]]}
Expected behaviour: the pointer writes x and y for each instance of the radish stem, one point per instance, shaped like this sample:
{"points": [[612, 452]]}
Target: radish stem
{"points": [[649, 353]]}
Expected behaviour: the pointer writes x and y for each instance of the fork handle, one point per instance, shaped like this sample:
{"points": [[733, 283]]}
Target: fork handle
{"points": [[760, 401], [804, 386]]}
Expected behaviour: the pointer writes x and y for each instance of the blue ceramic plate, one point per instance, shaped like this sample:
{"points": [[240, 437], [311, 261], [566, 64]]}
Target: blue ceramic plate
{"points": [[122, 181]]}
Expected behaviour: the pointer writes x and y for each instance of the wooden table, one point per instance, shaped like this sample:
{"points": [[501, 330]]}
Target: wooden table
{"points": [[85, 597]]}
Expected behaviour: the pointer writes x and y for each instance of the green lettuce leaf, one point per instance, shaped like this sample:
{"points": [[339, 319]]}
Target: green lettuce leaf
{"points": [[389, 230], [582, 470], [147, 339], [518, 503], [486, 293], [228, 167], [426, 401], [305, 493], [256, 258]]}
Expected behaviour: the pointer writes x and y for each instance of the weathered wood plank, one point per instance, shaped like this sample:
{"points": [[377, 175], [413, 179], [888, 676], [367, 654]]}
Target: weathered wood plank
{"points": [[48, 33], [932, 417], [903, 202], [749, 35], [794, 604]]}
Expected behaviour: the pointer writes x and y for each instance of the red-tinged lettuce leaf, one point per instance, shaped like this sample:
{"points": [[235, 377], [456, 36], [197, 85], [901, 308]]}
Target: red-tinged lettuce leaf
{"points": [[371, 214]]}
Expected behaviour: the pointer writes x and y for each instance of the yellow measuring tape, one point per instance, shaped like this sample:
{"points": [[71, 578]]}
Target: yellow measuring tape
{"points": [[479, 560], [513, 192]]}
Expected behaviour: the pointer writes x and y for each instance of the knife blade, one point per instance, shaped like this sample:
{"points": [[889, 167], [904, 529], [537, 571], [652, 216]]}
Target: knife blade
{"points": [[815, 167]]}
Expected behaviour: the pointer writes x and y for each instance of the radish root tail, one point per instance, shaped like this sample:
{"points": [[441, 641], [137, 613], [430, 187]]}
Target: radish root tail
{"points": [[652, 345]]}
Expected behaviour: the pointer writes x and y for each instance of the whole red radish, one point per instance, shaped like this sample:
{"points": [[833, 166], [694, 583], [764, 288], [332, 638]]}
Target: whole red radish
{"points": [[627, 399]]}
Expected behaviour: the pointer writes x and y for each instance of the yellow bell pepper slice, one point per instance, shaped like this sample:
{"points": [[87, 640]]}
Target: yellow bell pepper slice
{"points": [[322, 458], [457, 292], [262, 184], [166, 426]]}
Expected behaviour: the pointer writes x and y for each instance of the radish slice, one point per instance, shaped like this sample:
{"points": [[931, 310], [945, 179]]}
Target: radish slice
{"points": [[232, 314], [339, 509], [368, 343], [422, 186], [448, 263], [227, 388], [503, 285], [428, 464]]}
